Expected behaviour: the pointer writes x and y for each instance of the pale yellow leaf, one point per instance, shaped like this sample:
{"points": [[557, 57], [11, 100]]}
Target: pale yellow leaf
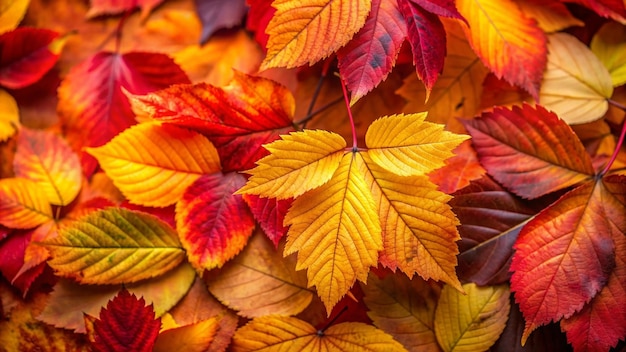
{"points": [[298, 162], [9, 115], [609, 45], [304, 32], [11, 13], [575, 84], [336, 231], [154, 164], [418, 226], [472, 321], [407, 145], [22, 206], [278, 333]]}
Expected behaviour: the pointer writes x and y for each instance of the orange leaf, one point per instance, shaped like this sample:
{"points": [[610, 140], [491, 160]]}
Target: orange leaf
{"points": [[47, 159], [113, 7], [154, 164], [289, 333], [11, 13], [21, 205], [551, 15], [196, 337], [9, 115], [508, 42], [304, 32]]}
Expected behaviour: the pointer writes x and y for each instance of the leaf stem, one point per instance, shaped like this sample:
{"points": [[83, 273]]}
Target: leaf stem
{"points": [[347, 101], [617, 104], [320, 332], [620, 142], [118, 30], [309, 116]]}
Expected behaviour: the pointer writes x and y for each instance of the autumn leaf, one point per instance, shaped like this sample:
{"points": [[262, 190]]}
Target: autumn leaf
{"points": [[12, 262], [608, 46], [195, 337], [9, 116], [471, 322], [294, 334], [47, 159], [270, 215], [553, 157], [154, 164], [459, 170], [615, 10], [238, 119], [370, 56], [113, 246], [403, 308], [27, 54], [575, 84], [564, 255], [11, 13], [259, 281], [113, 7], [216, 14], [551, 16], [92, 106], [21, 205], [126, 324], [509, 43], [260, 13], [301, 33], [213, 223]]}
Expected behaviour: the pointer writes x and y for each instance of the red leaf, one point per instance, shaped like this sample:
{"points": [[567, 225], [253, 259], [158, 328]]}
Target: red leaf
{"points": [[12, 252], [26, 55], [614, 9], [217, 14], [370, 56], [564, 255], [529, 150], [428, 42], [113, 7], [126, 324], [213, 223], [270, 214], [93, 107], [459, 170], [238, 119], [445, 8], [259, 15], [491, 219]]}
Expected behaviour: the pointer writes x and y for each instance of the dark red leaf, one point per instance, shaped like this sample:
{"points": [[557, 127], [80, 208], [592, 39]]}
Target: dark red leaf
{"points": [[218, 14], [445, 8], [26, 56], [12, 252], [614, 9], [259, 15], [269, 213]]}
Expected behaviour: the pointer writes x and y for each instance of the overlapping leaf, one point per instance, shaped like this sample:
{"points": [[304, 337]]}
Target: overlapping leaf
{"points": [[551, 16], [369, 57], [529, 150], [154, 164], [238, 119], [575, 84], [9, 115], [306, 32], [609, 45], [21, 205], [213, 223], [259, 281], [510, 44], [113, 7], [291, 333], [46, 159], [12, 262], [11, 13], [195, 337], [270, 215], [459, 170], [474, 321], [114, 246], [216, 14]]}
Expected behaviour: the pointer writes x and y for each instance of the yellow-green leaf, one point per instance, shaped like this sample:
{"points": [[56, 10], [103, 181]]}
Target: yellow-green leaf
{"points": [[609, 45], [11, 13], [114, 246], [474, 321], [302, 32], [575, 84], [153, 164], [22, 206], [418, 226], [407, 145], [9, 115], [336, 231], [298, 162], [278, 333]]}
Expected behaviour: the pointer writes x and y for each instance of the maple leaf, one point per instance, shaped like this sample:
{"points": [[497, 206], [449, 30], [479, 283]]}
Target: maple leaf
{"points": [[550, 150], [126, 324], [292, 333], [95, 112], [27, 54], [21, 205], [216, 14], [508, 42], [294, 30], [370, 56], [608, 46], [11, 13]]}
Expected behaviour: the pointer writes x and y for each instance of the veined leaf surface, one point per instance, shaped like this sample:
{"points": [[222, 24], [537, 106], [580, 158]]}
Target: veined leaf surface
{"points": [[21, 205]]}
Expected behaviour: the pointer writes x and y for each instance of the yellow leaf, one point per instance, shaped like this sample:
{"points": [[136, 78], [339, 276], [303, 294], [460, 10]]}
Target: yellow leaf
{"points": [[195, 337], [336, 231], [11, 13], [418, 226], [114, 246], [407, 145], [22, 206], [609, 45], [259, 281], [474, 321], [154, 164], [299, 162], [575, 85], [9, 115], [48, 160], [302, 32], [277, 333], [550, 16]]}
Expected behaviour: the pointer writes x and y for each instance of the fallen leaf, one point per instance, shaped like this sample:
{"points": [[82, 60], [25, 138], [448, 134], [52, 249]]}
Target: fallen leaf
{"points": [[270, 215], [9, 116], [11, 13], [195, 337], [21, 205], [459, 170], [114, 7], [551, 15], [216, 14], [609, 46], [12, 262]]}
